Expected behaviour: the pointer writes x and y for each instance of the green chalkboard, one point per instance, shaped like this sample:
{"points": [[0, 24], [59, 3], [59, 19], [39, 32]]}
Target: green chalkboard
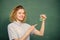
{"points": [[33, 9]]}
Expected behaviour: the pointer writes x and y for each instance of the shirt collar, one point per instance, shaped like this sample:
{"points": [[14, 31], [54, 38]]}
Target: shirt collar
{"points": [[18, 23]]}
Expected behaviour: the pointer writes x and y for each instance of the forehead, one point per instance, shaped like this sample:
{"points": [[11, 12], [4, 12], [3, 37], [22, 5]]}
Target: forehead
{"points": [[20, 10]]}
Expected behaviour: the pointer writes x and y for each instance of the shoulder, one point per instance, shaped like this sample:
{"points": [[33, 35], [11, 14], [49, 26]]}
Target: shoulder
{"points": [[26, 24], [11, 25]]}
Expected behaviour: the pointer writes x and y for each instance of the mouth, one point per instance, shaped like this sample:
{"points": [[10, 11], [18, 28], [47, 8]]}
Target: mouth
{"points": [[21, 16]]}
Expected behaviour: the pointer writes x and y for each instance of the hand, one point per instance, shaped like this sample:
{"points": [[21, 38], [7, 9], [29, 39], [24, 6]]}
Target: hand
{"points": [[43, 17]]}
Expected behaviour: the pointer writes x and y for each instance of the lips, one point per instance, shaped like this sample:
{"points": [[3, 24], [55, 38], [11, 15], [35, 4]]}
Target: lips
{"points": [[21, 16]]}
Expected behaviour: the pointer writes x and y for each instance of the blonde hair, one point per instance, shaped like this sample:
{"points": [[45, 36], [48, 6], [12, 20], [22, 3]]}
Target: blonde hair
{"points": [[14, 12]]}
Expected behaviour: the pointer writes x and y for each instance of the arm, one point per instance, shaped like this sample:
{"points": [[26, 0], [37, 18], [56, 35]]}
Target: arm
{"points": [[41, 31]]}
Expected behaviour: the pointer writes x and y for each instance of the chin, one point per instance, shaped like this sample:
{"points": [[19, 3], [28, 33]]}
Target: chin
{"points": [[21, 19]]}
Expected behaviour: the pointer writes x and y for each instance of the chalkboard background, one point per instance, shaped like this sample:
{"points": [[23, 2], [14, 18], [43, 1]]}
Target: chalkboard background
{"points": [[33, 9]]}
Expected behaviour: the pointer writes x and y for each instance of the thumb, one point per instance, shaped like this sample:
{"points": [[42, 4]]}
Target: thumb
{"points": [[35, 25]]}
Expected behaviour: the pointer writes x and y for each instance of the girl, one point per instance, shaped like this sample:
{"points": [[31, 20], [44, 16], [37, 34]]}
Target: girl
{"points": [[18, 29]]}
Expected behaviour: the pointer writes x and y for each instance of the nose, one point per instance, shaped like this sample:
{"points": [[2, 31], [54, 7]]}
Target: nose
{"points": [[21, 13]]}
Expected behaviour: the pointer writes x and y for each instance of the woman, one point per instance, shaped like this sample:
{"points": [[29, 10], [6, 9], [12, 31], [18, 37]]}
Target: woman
{"points": [[18, 29]]}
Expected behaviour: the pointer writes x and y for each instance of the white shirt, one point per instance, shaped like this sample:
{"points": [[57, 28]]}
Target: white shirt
{"points": [[17, 30]]}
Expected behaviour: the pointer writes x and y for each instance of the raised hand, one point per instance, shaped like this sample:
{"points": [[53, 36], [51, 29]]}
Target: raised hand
{"points": [[43, 17]]}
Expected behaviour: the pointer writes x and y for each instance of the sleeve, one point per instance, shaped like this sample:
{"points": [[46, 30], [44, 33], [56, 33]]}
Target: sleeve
{"points": [[33, 31], [11, 32]]}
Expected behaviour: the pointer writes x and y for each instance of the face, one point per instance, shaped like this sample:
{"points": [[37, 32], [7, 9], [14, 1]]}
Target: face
{"points": [[20, 14]]}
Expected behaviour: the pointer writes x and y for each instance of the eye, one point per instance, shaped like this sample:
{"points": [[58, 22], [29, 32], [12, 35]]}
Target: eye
{"points": [[23, 13], [19, 12]]}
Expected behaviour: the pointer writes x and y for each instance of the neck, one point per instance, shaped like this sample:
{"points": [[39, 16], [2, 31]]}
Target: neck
{"points": [[18, 21]]}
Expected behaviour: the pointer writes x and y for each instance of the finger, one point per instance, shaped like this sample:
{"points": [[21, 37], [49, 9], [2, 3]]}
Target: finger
{"points": [[35, 24], [43, 16]]}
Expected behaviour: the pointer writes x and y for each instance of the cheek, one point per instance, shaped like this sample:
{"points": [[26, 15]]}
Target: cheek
{"points": [[17, 15], [24, 15]]}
